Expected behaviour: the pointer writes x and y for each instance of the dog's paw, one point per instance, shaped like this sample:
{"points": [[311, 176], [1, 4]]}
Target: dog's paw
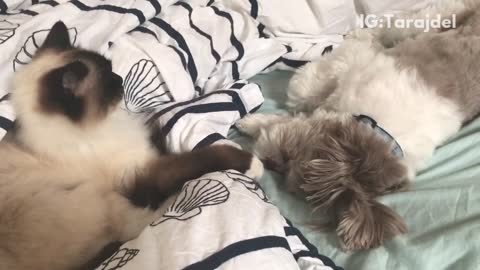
{"points": [[256, 169], [251, 124]]}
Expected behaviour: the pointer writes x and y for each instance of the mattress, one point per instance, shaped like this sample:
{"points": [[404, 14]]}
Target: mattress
{"points": [[441, 210]]}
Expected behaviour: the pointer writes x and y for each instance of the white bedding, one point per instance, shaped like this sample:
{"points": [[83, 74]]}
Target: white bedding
{"points": [[166, 51], [221, 221], [170, 52]]}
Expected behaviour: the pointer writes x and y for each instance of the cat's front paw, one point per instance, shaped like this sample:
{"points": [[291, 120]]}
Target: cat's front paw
{"points": [[256, 168], [232, 158]]}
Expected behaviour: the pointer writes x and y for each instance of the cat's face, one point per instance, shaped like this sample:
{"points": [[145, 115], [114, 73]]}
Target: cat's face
{"points": [[68, 82]]}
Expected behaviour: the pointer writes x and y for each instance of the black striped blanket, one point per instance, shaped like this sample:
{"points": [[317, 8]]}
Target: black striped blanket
{"points": [[184, 64], [222, 220]]}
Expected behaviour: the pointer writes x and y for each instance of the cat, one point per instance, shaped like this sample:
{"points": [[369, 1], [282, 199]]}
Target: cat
{"points": [[78, 173]]}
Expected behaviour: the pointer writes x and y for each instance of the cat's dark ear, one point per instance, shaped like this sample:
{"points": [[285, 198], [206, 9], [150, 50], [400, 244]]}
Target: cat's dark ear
{"points": [[58, 37], [72, 76]]}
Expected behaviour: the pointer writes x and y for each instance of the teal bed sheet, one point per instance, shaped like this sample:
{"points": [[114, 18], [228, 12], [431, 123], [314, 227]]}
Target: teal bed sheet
{"points": [[442, 209]]}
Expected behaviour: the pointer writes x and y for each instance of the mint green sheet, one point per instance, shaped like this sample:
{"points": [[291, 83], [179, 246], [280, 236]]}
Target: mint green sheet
{"points": [[442, 209]]}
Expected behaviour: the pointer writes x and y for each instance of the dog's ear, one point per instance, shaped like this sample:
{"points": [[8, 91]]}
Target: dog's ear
{"points": [[365, 224], [351, 166], [356, 152], [360, 221], [325, 180], [380, 172]]}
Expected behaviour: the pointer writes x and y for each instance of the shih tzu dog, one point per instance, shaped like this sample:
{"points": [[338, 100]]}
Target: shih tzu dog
{"points": [[369, 115]]}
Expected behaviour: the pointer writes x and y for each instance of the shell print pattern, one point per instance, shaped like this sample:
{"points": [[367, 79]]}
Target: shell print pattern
{"points": [[7, 30], [194, 196], [119, 259], [144, 89], [249, 183], [33, 42]]}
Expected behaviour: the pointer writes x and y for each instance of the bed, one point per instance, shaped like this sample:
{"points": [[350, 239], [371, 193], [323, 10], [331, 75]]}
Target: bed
{"points": [[163, 37], [442, 209]]}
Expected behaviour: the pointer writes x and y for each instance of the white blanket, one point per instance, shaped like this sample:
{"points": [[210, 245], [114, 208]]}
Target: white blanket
{"points": [[221, 221], [170, 52]]}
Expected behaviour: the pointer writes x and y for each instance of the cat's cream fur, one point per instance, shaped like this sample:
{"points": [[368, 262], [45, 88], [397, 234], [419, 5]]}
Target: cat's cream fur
{"points": [[69, 188]]}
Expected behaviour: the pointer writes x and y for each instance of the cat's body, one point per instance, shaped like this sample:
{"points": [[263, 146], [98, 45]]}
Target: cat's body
{"points": [[79, 173], [59, 206]]}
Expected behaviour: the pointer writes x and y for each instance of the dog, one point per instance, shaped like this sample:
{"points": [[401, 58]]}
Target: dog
{"points": [[366, 117]]}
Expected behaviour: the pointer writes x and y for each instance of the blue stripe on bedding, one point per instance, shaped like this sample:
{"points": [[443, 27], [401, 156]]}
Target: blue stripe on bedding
{"points": [[22, 11], [26, 12], [3, 7], [209, 140], [254, 8], [256, 108], [180, 55], [116, 9], [50, 3], [261, 31], [238, 102], [312, 250], [235, 73], [279, 60], [175, 35], [147, 31], [199, 31], [156, 5], [235, 99], [237, 249], [202, 108], [29, 12], [5, 123], [293, 63], [5, 97], [237, 85], [233, 39]]}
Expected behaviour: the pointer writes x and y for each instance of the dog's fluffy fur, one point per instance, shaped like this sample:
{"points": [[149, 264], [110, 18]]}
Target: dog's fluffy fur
{"points": [[420, 87], [79, 173]]}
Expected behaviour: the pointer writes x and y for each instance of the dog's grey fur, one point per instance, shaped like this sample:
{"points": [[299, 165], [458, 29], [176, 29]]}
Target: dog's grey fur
{"points": [[340, 164], [444, 61], [337, 163]]}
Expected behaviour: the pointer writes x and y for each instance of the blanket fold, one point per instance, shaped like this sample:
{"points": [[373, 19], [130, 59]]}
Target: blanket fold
{"points": [[167, 52]]}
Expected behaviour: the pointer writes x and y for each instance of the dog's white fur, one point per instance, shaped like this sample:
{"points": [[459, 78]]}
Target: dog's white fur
{"points": [[378, 73], [368, 82]]}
